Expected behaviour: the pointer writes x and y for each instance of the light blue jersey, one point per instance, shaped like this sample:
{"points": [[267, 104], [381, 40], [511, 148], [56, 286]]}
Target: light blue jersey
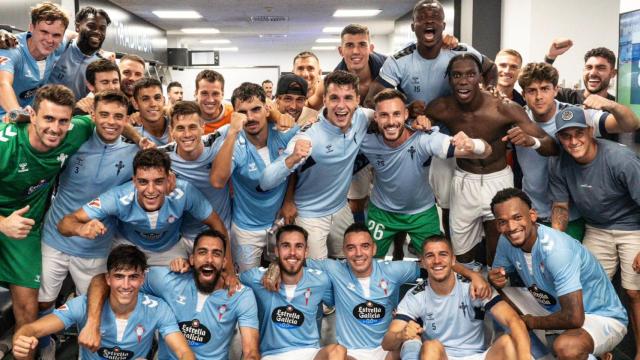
{"points": [[287, 325], [255, 208], [149, 315], [207, 324], [561, 265], [197, 173], [96, 168], [419, 78], [27, 78], [159, 141], [399, 173], [70, 69], [362, 320], [155, 231], [535, 168], [456, 320], [325, 175]]}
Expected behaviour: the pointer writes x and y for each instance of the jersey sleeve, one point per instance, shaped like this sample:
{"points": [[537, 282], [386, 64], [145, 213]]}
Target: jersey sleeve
{"points": [[410, 306], [597, 120], [501, 258], [155, 281], [319, 264], [248, 310], [488, 303], [252, 277], [565, 273], [277, 172], [167, 322], [197, 204], [327, 295], [81, 130], [72, 312], [13, 60], [104, 206], [437, 144], [404, 271], [390, 75], [557, 184]]}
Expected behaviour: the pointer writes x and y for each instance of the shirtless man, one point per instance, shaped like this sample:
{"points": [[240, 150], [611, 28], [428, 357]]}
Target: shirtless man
{"points": [[481, 115]]}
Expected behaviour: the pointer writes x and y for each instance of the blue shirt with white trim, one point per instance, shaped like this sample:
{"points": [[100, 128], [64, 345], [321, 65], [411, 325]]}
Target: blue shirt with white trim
{"points": [[70, 69]]}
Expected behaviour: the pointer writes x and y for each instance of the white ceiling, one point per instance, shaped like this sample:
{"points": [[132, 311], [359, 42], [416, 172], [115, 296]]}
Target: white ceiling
{"points": [[231, 17]]}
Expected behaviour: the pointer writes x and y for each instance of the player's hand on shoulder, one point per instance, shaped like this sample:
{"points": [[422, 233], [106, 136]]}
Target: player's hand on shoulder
{"points": [[411, 331], [231, 282], [92, 229], [85, 104], [179, 265], [135, 119], [517, 136], [449, 41], [7, 40], [16, 226], [24, 346], [271, 277], [495, 92], [597, 102], [558, 47], [498, 277], [417, 107], [146, 143], [422, 123], [171, 180]]}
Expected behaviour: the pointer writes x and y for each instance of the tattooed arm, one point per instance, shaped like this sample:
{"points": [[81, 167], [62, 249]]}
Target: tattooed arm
{"points": [[560, 215]]}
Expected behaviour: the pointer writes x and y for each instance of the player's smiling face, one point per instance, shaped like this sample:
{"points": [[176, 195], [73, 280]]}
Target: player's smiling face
{"points": [[438, 259], [150, 102], [186, 132], [355, 50], [151, 185], [340, 102], [292, 250], [92, 31], [428, 24], [579, 143], [597, 74], [209, 96], [508, 69], [464, 79], [125, 285], [46, 36], [359, 249], [49, 125], [390, 116], [516, 221], [291, 104], [207, 262], [130, 72], [110, 119]]}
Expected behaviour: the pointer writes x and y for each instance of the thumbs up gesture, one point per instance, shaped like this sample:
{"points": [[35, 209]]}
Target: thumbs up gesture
{"points": [[16, 226]]}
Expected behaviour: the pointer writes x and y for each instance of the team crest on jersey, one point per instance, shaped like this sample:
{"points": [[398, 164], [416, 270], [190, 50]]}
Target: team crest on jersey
{"points": [[115, 353], [139, 332], [369, 313], [23, 167], [287, 317], [171, 219], [62, 158], [543, 297], [63, 307], [195, 332], [95, 203]]}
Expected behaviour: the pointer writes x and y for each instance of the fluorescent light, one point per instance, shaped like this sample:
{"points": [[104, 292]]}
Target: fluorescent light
{"points": [[215, 41], [323, 48], [328, 41], [225, 48], [200, 30], [356, 12], [332, 30], [173, 14]]}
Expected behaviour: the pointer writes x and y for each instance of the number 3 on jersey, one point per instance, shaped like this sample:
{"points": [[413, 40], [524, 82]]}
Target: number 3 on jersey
{"points": [[377, 230]]}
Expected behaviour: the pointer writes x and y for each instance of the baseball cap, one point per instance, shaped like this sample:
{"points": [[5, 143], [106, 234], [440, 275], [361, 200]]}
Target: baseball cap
{"points": [[291, 84], [569, 117]]}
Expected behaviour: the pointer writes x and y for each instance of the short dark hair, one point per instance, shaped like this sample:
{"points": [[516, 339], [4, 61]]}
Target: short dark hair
{"points": [[355, 29], [48, 12], [110, 96], [126, 257], [100, 66], [210, 76], [461, 57], [341, 77], [602, 52], [211, 233], [291, 228], [183, 108], [511, 52], [84, 13], [173, 84], [533, 72], [246, 91], [151, 158], [267, 82], [422, 3], [508, 194], [145, 83], [435, 239], [134, 57], [305, 54], [57, 94], [388, 94], [356, 227]]}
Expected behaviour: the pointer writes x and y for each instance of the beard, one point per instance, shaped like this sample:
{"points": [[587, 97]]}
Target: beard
{"points": [[209, 286], [284, 268]]}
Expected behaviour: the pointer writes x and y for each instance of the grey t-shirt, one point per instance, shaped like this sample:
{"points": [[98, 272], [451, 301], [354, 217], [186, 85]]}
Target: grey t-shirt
{"points": [[606, 191]]}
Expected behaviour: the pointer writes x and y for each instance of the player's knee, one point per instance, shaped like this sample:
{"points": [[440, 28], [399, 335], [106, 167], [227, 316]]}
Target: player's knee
{"points": [[506, 346], [432, 349], [337, 351], [634, 295], [570, 347]]}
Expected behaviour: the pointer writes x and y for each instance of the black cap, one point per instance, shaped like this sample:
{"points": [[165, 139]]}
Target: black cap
{"points": [[291, 84]]}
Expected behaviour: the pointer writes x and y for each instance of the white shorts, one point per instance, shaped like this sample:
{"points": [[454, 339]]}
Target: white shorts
{"points": [[478, 356], [606, 332], [247, 247], [613, 248], [298, 354], [361, 184], [368, 354], [157, 258], [55, 267], [471, 196], [326, 233], [440, 175]]}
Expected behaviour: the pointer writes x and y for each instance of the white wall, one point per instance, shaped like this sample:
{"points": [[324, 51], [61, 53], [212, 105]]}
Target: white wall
{"points": [[529, 26]]}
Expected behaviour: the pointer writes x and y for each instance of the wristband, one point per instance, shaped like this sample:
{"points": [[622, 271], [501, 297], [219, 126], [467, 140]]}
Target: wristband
{"points": [[549, 60], [478, 146], [536, 143]]}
